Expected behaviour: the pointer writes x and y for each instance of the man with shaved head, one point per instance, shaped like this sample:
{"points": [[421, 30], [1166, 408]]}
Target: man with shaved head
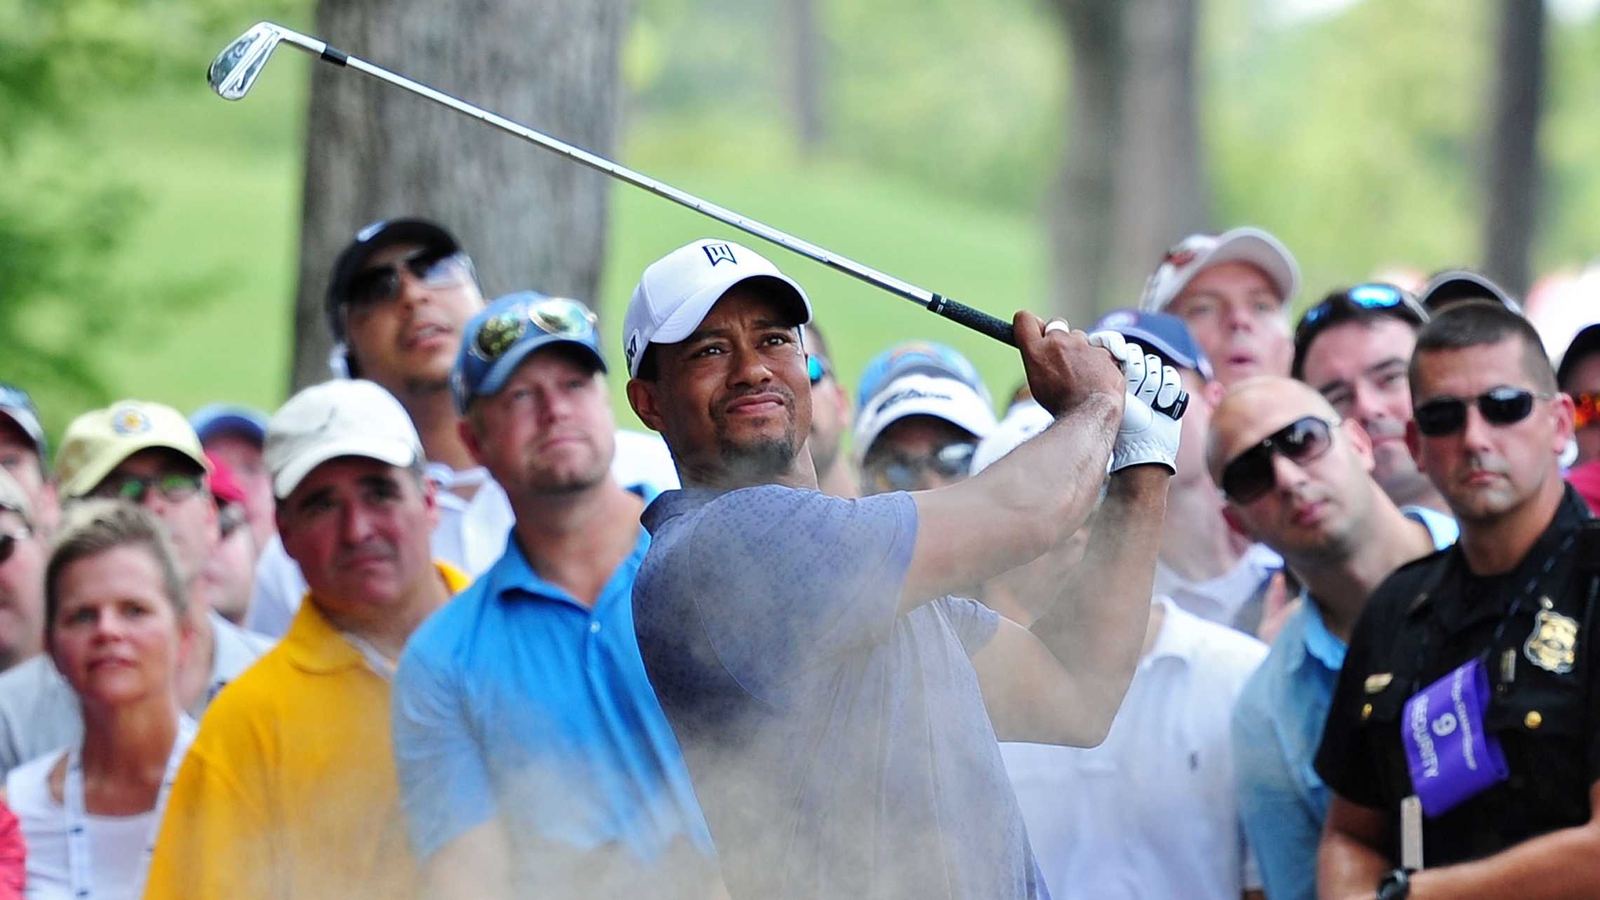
{"points": [[1298, 478]]}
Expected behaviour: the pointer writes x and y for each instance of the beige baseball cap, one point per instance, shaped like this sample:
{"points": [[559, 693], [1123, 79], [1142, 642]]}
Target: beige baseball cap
{"points": [[99, 440], [345, 417]]}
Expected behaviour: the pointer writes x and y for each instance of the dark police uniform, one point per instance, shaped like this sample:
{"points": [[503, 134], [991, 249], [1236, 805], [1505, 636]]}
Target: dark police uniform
{"points": [[1430, 617]]}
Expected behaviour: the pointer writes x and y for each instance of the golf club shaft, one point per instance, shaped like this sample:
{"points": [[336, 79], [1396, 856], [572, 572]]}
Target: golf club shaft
{"points": [[975, 319]]}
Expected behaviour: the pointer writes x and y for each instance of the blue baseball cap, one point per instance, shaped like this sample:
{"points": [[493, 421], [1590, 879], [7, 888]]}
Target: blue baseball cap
{"points": [[226, 418], [917, 357], [16, 405], [1158, 333], [499, 338]]}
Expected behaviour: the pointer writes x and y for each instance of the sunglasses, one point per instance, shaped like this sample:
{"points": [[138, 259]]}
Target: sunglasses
{"points": [[1251, 475], [1585, 409], [1498, 406], [555, 316], [817, 368], [229, 518], [1346, 304], [173, 488], [903, 473], [380, 284], [9, 541]]}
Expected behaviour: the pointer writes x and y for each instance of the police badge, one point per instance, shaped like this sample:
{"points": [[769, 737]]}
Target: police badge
{"points": [[1553, 644]]}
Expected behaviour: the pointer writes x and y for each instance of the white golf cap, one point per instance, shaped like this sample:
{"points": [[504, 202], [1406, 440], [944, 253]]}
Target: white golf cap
{"points": [[1198, 252], [920, 394], [1025, 420], [677, 291], [334, 419]]}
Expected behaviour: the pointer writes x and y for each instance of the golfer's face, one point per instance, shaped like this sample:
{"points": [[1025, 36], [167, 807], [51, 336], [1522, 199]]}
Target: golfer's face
{"points": [[738, 386]]}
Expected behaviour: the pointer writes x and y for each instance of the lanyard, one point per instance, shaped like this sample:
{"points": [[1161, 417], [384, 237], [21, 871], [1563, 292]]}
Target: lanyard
{"points": [[79, 867]]}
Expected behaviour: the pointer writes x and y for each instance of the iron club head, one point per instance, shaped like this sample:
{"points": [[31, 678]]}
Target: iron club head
{"points": [[236, 68]]}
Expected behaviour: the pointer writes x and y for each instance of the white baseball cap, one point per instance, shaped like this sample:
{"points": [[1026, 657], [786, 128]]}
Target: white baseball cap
{"points": [[1198, 252], [921, 394], [1024, 421], [333, 419], [677, 291]]}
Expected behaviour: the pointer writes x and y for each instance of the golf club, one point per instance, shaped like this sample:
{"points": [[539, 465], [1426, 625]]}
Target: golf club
{"points": [[237, 67]]}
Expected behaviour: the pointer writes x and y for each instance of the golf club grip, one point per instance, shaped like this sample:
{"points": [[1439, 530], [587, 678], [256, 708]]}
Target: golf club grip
{"points": [[976, 319]]}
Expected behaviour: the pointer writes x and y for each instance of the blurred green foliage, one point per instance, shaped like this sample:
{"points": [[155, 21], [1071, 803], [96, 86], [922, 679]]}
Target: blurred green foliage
{"points": [[148, 231]]}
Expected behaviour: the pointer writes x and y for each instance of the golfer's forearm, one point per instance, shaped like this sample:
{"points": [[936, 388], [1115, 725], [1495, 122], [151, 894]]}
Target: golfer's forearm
{"points": [[1015, 511], [1097, 626]]}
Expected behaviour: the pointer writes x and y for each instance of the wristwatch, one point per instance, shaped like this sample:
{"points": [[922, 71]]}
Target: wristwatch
{"points": [[1395, 886]]}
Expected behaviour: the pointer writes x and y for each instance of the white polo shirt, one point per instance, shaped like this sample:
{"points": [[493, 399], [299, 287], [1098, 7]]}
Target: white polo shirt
{"points": [[471, 534], [1152, 811]]}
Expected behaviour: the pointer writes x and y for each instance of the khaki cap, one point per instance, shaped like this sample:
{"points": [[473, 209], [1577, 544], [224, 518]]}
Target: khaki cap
{"points": [[98, 441]]}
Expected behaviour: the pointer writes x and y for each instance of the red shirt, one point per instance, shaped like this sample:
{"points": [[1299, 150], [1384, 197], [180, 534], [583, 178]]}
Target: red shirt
{"points": [[13, 852], [1585, 479]]}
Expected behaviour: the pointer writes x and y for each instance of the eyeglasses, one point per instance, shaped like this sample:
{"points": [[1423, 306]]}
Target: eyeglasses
{"points": [[1346, 304], [555, 316], [172, 487], [817, 368], [1251, 474], [9, 541], [380, 284], [1586, 409], [891, 472], [1499, 406]]}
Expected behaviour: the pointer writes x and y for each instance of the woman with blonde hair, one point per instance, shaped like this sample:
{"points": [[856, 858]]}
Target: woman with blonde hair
{"points": [[114, 626]]}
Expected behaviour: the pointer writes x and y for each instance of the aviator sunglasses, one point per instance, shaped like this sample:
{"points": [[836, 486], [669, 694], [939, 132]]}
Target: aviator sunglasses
{"points": [[1499, 406], [380, 284], [1250, 475], [555, 316], [903, 473]]}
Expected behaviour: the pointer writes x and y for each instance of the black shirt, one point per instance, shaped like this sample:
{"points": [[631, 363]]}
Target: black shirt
{"points": [[1434, 615]]}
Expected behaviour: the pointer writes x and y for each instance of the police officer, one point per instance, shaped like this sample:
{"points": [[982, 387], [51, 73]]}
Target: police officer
{"points": [[1462, 744]]}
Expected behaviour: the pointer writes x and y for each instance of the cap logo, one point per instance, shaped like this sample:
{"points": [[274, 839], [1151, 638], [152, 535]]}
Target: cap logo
{"points": [[899, 397], [632, 350], [719, 253], [1122, 319], [1179, 256], [129, 420]]}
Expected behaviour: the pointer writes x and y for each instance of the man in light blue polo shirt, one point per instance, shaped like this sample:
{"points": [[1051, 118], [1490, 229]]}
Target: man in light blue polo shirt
{"points": [[533, 757], [1298, 478]]}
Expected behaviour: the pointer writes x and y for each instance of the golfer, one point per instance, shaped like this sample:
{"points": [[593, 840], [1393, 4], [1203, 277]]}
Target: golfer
{"points": [[837, 707]]}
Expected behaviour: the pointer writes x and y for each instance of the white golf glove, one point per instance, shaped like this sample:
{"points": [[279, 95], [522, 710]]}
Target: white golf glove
{"points": [[1145, 436]]}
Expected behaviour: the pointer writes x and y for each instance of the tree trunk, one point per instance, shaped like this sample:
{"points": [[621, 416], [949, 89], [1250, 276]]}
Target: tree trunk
{"points": [[804, 50], [528, 218], [1131, 183], [1513, 174]]}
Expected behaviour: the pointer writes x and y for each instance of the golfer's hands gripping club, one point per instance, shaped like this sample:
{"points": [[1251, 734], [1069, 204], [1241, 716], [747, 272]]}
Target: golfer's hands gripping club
{"points": [[1146, 437], [1064, 370]]}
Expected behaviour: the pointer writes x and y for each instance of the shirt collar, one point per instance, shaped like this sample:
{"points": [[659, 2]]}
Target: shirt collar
{"points": [[671, 504], [1463, 603], [1315, 640], [514, 575], [315, 646], [1173, 641]]}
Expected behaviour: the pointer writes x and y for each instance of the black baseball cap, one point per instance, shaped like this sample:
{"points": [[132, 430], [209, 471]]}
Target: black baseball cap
{"points": [[1453, 285], [1584, 343], [371, 239]]}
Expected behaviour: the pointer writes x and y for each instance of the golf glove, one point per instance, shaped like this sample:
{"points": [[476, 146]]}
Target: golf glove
{"points": [[1145, 436]]}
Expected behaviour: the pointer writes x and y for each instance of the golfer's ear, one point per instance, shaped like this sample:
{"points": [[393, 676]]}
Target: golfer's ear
{"points": [[642, 397]]}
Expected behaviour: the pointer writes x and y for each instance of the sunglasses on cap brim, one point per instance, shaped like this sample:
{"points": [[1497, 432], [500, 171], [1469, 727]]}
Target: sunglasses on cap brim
{"points": [[1499, 406], [1346, 304], [1251, 475], [555, 316]]}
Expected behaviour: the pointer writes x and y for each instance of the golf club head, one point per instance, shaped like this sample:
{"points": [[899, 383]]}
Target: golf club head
{"points": [[236, 68]]}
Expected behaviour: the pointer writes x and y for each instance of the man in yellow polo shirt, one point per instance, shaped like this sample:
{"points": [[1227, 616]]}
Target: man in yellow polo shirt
{"points": [[289, 790]]}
